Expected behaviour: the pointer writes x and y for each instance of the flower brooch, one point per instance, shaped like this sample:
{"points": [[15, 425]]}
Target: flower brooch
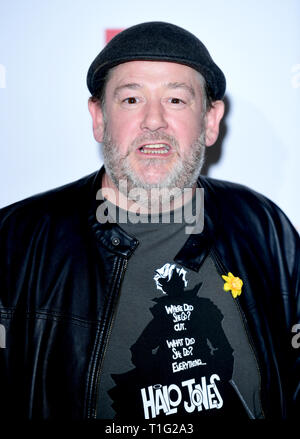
{"points": [[233, 284]]}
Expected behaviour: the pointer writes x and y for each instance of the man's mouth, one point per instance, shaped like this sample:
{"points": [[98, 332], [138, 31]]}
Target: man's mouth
{"points": [[158, 148]]}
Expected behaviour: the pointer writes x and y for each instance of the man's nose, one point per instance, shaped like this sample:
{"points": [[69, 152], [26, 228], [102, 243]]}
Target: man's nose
{"points": [[154, 116]]}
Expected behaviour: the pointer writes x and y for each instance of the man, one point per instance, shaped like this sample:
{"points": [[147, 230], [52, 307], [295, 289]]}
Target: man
{"points": [[111, 311]]}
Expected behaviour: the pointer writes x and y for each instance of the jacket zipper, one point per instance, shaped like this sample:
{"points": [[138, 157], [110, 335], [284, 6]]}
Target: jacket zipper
{"points": [[120, 272]]}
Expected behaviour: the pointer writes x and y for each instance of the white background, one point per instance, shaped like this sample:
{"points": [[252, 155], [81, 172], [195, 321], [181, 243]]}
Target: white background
{"points": [[46, 47]]}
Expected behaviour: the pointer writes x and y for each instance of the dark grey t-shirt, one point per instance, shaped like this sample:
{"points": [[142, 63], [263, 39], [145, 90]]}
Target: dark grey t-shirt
{"points": [[178, 345]]}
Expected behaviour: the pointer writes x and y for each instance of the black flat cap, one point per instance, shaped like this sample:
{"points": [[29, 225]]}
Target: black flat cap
{"points": [[157, 41]]}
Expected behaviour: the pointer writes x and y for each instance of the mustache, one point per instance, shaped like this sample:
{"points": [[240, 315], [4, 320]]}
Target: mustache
{"points": [[157, 136]]}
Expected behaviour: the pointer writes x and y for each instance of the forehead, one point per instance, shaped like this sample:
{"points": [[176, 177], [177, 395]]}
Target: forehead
{"points": [[153, 72]]}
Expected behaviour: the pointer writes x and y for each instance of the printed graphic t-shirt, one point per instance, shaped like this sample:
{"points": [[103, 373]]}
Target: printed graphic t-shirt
{"points": [[178, 344]]}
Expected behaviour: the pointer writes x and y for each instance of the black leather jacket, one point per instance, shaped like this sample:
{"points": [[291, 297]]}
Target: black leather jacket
{"points": [[60, 278]]}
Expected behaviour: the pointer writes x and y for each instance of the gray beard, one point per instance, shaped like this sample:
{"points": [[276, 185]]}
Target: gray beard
{"points": [[183, 175]]}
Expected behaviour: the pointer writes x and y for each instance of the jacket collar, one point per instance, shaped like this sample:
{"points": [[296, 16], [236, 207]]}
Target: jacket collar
{"points": [[198, 246], [191, 255]]}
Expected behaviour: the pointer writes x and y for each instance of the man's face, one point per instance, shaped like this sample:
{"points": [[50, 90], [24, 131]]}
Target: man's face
{"points": [[153, 129]]}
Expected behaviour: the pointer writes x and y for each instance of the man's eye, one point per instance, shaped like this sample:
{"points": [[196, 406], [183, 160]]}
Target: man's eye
{"points": [[131, 100], [176, 101]]}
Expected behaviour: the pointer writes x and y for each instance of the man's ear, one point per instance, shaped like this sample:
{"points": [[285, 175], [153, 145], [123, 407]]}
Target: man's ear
{"points": [[97, 118], [213, 118]]}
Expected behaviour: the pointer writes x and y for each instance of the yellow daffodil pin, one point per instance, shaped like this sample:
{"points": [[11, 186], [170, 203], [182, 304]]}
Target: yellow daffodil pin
{"points": [[234, 284]]}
